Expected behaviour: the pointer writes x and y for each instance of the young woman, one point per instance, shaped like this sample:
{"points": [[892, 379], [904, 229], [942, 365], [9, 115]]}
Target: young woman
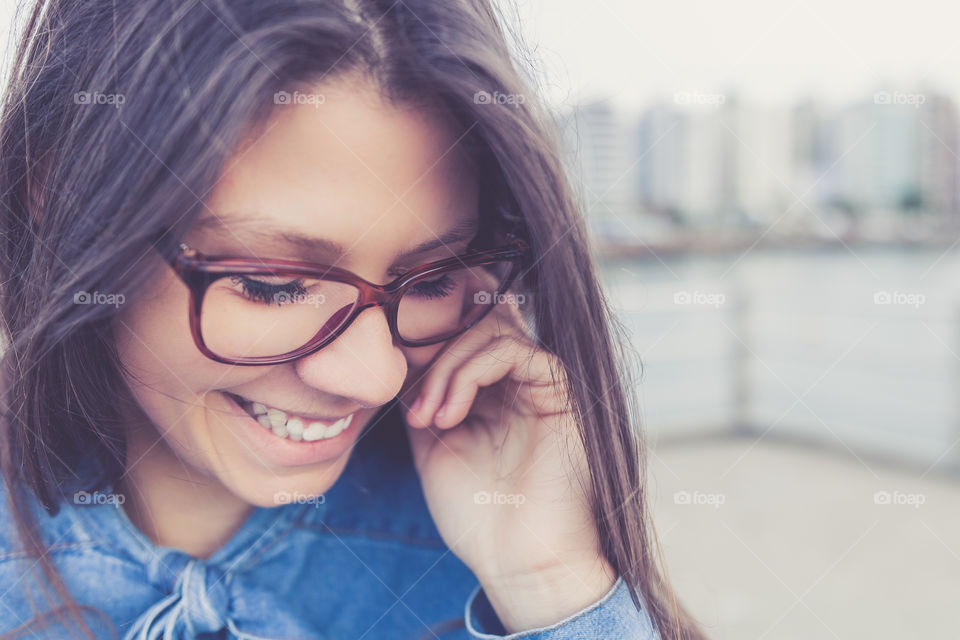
{"points": [[303, 338]]}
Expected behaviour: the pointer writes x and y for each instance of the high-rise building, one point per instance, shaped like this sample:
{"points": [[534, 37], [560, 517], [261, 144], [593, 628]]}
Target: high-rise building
{"points": [[599, 154], [938, 163], [712, 160]]}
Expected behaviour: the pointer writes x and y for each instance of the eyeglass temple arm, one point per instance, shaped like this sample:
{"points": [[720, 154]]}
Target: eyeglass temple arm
{"points": [[168, 246]]}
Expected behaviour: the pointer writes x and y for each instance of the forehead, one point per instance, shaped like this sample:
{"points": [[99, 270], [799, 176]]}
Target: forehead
{"points": [[343, 164]]}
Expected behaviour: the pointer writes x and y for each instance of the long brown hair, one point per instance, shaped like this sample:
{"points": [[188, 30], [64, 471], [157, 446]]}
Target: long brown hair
{"points": [[117, 121]]}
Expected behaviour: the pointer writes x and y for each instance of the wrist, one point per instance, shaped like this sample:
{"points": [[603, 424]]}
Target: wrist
{"points": [[538, 598]]}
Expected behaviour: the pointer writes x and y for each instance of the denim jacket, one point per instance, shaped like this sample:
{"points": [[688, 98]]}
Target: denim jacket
{"points": [[363, 561]]}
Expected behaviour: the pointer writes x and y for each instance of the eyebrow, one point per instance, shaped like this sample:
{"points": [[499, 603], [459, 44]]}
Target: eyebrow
{"points": [[464, 230]]}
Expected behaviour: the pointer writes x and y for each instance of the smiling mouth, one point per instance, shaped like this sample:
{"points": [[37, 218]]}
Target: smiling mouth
{"points": [[291, 426]]}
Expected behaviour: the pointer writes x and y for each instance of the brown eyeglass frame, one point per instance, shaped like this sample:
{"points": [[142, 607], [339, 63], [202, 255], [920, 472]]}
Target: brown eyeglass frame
{"points": [[199, 271]]}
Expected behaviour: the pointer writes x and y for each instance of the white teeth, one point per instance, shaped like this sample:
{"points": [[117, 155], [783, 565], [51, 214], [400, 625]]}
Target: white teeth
{"points": [[277, 418], [340, 425], [315, 431], [292, 428], [295, 428], [320, 430]]}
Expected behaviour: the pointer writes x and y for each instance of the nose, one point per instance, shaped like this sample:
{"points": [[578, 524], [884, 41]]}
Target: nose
{"points": [[362, 364]]}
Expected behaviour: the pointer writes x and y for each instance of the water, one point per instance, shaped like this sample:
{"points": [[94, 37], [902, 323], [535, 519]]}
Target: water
{"points": [[858, 348]]}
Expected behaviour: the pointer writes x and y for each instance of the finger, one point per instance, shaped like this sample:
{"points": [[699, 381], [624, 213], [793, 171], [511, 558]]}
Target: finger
{"points": [[543, 384], [431, 389], [429, 392], [533, 370], [486, 368]]}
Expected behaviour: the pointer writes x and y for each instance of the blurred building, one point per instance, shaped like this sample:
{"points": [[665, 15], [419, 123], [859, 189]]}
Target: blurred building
{"points": [[938, 162], [601, 158], [760, 169], [711, 160], [680, 172]]}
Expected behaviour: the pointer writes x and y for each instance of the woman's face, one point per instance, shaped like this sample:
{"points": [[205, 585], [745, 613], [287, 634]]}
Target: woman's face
{"points": [[353, 171]]}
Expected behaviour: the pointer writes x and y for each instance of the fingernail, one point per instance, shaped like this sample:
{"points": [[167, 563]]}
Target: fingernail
{"points": [[439, 414], [416, 404]]}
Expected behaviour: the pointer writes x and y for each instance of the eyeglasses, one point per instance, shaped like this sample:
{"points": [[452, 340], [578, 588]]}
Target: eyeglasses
{"points": [[250, 311]]}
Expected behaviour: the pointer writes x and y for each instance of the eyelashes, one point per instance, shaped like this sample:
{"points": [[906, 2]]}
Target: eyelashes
{"points": [[265, 292], [438, 288]]}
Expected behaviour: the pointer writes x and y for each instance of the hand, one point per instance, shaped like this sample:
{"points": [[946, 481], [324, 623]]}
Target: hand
{"points": [[504, 472]]}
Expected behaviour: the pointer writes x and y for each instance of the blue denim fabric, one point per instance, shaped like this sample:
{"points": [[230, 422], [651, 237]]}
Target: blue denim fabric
{"points": [[366, 562]]}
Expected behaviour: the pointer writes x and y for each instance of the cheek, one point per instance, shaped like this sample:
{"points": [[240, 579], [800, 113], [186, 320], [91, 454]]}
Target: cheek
{"points": [[156, 346], [419, 357]]}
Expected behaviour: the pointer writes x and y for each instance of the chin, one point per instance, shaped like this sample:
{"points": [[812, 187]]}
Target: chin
{"points": [[307, 485]]}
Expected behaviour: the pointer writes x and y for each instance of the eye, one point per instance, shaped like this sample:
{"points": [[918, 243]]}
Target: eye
{"points": [[429, 289], [267, 292]]}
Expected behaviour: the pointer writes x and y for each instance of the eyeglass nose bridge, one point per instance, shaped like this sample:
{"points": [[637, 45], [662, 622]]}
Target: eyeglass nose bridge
{"points": [[388, 296], [373, 296]]}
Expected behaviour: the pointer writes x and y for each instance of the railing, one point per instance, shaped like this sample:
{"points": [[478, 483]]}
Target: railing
{"points": [[803, 358]]}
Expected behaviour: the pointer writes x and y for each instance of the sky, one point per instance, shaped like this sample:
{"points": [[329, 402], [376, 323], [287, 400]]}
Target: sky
{"points": [[771, 51], [635, 52]]}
